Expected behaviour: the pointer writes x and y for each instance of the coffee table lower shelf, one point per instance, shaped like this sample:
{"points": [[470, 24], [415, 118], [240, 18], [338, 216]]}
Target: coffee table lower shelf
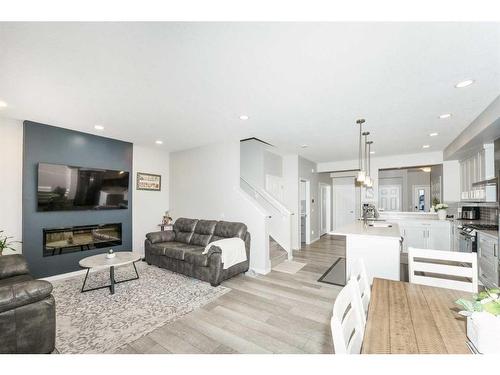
{"points": [[113, 282]]}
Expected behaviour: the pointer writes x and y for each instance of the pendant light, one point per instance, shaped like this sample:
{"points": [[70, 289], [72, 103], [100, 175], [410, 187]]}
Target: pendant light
{"points": [[369, 180], [361, 174]]}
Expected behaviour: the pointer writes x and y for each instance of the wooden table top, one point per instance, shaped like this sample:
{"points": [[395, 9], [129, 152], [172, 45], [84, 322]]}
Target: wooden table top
{"points": [[406, 318]]}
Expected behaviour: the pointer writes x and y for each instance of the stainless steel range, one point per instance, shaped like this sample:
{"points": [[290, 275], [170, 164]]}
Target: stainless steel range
{"points": [[467, 236]]}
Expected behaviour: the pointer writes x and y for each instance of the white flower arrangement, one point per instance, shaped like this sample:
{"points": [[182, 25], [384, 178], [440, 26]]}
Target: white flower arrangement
{"points": [[441, 206]]}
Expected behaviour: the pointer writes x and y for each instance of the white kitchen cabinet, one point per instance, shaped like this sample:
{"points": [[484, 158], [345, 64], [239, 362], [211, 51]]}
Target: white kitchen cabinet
{"points": [[476, 168], [487, 253], [431, 234]]}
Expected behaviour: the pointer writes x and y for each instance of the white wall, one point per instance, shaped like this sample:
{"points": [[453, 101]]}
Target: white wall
{"points": [[451, 181], [11, 166], [308, 170], [148, 206], [205, 184], [291, 193], [450, 173]]}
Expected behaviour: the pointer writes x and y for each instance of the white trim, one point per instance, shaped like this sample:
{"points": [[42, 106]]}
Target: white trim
{"points": [[64, 275]]}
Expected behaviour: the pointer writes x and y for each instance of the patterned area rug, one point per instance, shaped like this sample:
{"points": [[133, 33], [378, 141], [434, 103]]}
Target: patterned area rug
{"points": [[98, 322]]}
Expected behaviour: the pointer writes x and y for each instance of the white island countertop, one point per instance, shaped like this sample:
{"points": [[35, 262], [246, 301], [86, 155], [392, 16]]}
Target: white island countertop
{"points": [[358, 228]]}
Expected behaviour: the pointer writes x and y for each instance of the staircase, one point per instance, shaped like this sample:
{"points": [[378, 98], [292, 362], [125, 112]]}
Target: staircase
{"points": [[276, 253], [279, 221]]}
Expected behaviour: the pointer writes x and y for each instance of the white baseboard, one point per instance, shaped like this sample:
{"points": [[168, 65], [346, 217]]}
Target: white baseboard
{"points": [[64, 275]]}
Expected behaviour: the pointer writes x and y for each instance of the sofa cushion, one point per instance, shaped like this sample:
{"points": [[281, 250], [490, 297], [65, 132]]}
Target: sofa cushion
{"points": [[226, 229], [203, 232], [184, 229], [15, 279], [175, 250], [163, 236], [195, 256], [13, 265], [23, 293]]}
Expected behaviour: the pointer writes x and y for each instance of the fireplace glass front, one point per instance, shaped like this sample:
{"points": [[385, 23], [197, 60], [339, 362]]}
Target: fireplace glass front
{"points": [[59, 241]]}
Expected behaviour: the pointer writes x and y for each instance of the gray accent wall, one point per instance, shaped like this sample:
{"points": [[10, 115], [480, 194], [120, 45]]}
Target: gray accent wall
{"points": [[49, 144]]}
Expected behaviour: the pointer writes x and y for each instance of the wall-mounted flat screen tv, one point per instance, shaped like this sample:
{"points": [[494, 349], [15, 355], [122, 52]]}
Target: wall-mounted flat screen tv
{"points": [[66, 188]]}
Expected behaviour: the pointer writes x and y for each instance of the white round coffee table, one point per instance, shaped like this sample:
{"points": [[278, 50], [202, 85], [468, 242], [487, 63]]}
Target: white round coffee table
{"points": [[96, 262]]}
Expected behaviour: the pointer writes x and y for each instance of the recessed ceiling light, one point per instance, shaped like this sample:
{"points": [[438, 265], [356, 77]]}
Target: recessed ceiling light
{"points": [[158, 142], [445, 115], [99, 127], [304, 146], [3, 104], [244, 117], [433, 134], [426, 146], [465, 83], [372, 152]]}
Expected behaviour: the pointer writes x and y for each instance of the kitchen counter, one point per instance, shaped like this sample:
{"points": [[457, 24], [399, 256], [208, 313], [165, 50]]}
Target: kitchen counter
{"points": [[492, 233], [379, 248], [358, 228]]}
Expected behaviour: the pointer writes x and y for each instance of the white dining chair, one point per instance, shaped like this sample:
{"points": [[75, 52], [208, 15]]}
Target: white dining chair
{"points": [[346, 324], [358, 273], [444, 269]]}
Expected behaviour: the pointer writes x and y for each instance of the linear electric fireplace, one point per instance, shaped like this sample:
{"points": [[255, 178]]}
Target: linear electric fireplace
{"points": [[59, 241]]}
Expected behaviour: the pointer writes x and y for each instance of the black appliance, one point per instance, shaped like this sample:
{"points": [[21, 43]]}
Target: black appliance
{"points": [[65, 187]]}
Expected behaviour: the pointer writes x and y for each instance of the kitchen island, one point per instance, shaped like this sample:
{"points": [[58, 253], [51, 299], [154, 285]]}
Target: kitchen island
{"points": [[377, 243]]}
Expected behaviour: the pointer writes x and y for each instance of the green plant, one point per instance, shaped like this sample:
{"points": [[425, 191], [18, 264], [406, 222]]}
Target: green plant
{"points": [[435, 201], [487, 300], [6, 242]]}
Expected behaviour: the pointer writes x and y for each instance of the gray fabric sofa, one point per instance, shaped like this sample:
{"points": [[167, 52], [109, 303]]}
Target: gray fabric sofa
{"points": [[180, 250], [27, 309]]}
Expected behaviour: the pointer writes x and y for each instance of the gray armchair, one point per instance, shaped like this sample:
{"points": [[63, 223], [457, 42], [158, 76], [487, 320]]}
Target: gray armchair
{"points": [[27, 309]]}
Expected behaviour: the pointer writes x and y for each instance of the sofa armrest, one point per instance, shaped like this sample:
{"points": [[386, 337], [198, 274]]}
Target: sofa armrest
{"points": [[20, 294], [162, 236], [13, 265]]}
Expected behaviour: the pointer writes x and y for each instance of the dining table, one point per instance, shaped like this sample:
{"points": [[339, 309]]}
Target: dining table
{"points": [[405, 318]]}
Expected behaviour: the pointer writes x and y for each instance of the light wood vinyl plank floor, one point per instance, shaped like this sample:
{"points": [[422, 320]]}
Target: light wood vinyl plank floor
{"points": [[274, 313]]}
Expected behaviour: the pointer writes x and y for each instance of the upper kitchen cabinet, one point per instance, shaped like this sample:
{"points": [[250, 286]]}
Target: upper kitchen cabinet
{"points": [[475, 173]]}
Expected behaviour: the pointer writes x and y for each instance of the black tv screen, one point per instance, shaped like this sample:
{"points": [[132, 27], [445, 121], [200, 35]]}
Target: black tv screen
{"points": [[65, 187]]}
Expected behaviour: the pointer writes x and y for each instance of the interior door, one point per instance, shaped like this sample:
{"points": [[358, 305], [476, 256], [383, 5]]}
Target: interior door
{"points": [[344, 201], [421, 198], [390, 197], [325, 209]]}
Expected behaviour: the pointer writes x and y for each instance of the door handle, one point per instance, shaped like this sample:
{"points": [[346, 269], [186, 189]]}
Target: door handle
{"points": [[495, 250]]}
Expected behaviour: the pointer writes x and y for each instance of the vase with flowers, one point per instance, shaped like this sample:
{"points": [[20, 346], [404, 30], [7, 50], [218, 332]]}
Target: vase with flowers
{"points": [[441, 210]]}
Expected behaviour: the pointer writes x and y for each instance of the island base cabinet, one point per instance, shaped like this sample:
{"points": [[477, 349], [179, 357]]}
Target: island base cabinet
{"points": [[381, 256], [426, 235]]}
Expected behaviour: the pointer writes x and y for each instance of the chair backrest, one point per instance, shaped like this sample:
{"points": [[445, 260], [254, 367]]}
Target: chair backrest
{"points": [[346, 323], [358, 273], [444, 269]]}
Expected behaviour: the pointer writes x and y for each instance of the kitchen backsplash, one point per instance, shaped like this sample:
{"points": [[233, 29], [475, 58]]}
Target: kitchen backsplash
{"points": [[489, 214]]}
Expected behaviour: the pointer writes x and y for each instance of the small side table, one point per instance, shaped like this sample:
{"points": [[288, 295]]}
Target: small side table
{"points": [[164, 227]]}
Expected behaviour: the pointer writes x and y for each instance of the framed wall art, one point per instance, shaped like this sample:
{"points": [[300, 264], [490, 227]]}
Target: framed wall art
{"points": [[148, 181]]}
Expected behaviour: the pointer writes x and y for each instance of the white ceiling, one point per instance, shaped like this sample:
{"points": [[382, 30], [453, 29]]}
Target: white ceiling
{"points": [[300, 83]]}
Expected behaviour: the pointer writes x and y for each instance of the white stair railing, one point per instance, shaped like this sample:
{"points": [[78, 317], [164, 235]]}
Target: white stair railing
{"points": [[280, 217]]}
